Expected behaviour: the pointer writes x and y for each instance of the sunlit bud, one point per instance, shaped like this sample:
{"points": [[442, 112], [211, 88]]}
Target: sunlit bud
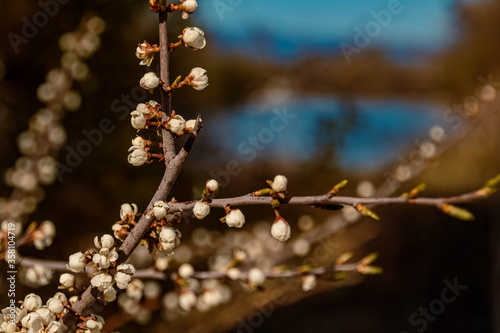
{"points": [[256, 277], [167, 235], [279, 183], [212, 185], [308, 282], [67, 280], [187, 299], [194, 37], [281, 229], [199, 79], [127, 209], [190, 5], [107, 241], [176, 124], [235, 219], [160, 209], [55, 305], [149, 81], [186, 271], [201, 210], [137, 157], [76, 262], [32, 302], [138, 119]]}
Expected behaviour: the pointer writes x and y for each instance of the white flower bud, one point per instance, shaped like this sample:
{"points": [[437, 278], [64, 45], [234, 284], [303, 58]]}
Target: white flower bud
{"points": [[166, 248], [54, 327], [8, 327], [176, 124], [279, 183], [162, 263], [281, 230], [256, 277], [101, 261], [200, 78], [32, 302], [107, 242], [308, 282], [93, 326], [201, 210], [126, 268], [186, 271], [55, 306], [212, 297], [139, 142], [190, 125], [109, 294], [160, 209], [102, 281], [137, 157], [60, 296], [187, 299], [135, 289], [127, 209], [122, 280], [67, 280], [46, 315], [76, 262], [212, 185], [32, 321], [145, 52], [167, 235], [235, 218], [190, 5], [149, 81], [138, 120], [233, 273], [194, 37]]}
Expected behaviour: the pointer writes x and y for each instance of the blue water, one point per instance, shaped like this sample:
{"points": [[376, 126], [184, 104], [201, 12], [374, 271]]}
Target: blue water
{"points": [[288, 29], [381, 131]]}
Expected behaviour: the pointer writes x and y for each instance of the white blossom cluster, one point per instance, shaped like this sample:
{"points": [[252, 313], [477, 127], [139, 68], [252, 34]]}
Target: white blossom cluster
{"points": [[33, 316]]}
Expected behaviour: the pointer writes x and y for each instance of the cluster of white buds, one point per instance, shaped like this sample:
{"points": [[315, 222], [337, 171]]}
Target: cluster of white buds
{"points": [[43, 236], [146, 52], [194, 37], [188, 7], [33, 316], [168, 238], [142, 113], [38, 275], [127, 216], [234, 218]]}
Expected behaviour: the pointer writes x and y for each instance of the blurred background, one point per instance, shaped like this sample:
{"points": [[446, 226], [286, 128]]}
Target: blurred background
{"points": [[386, 94]]}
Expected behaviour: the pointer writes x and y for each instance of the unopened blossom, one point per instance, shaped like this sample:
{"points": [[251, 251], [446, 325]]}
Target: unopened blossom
{"points": [[160, 209], [55, 305], [187, 299], [107, 242], [235, 218], [122, 280], [76, 262], [190, 125], [46, 315], [135, 289], [139, 142], [199, 78], [190, 5], [186, 270], [167, 235], [32, 322], [256, 277], [279, 183], [126, 268], [166, 248], [44, 235], [233, 273], [67, 280], [128, 210], [201, 210], [104, 258], [137, 157], [161, 263], [93, 326], [281, 230], [109, 294], [149, 81], [212, 185], [38, 275], [32, 302], [308, 282], [102, 281], [176, 124], [61, 296], [146, 52], [194, 37], [138, 119], [8, 327]]}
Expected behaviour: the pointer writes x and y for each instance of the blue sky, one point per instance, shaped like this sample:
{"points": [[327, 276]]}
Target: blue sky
{"points": [[289, 25]]}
